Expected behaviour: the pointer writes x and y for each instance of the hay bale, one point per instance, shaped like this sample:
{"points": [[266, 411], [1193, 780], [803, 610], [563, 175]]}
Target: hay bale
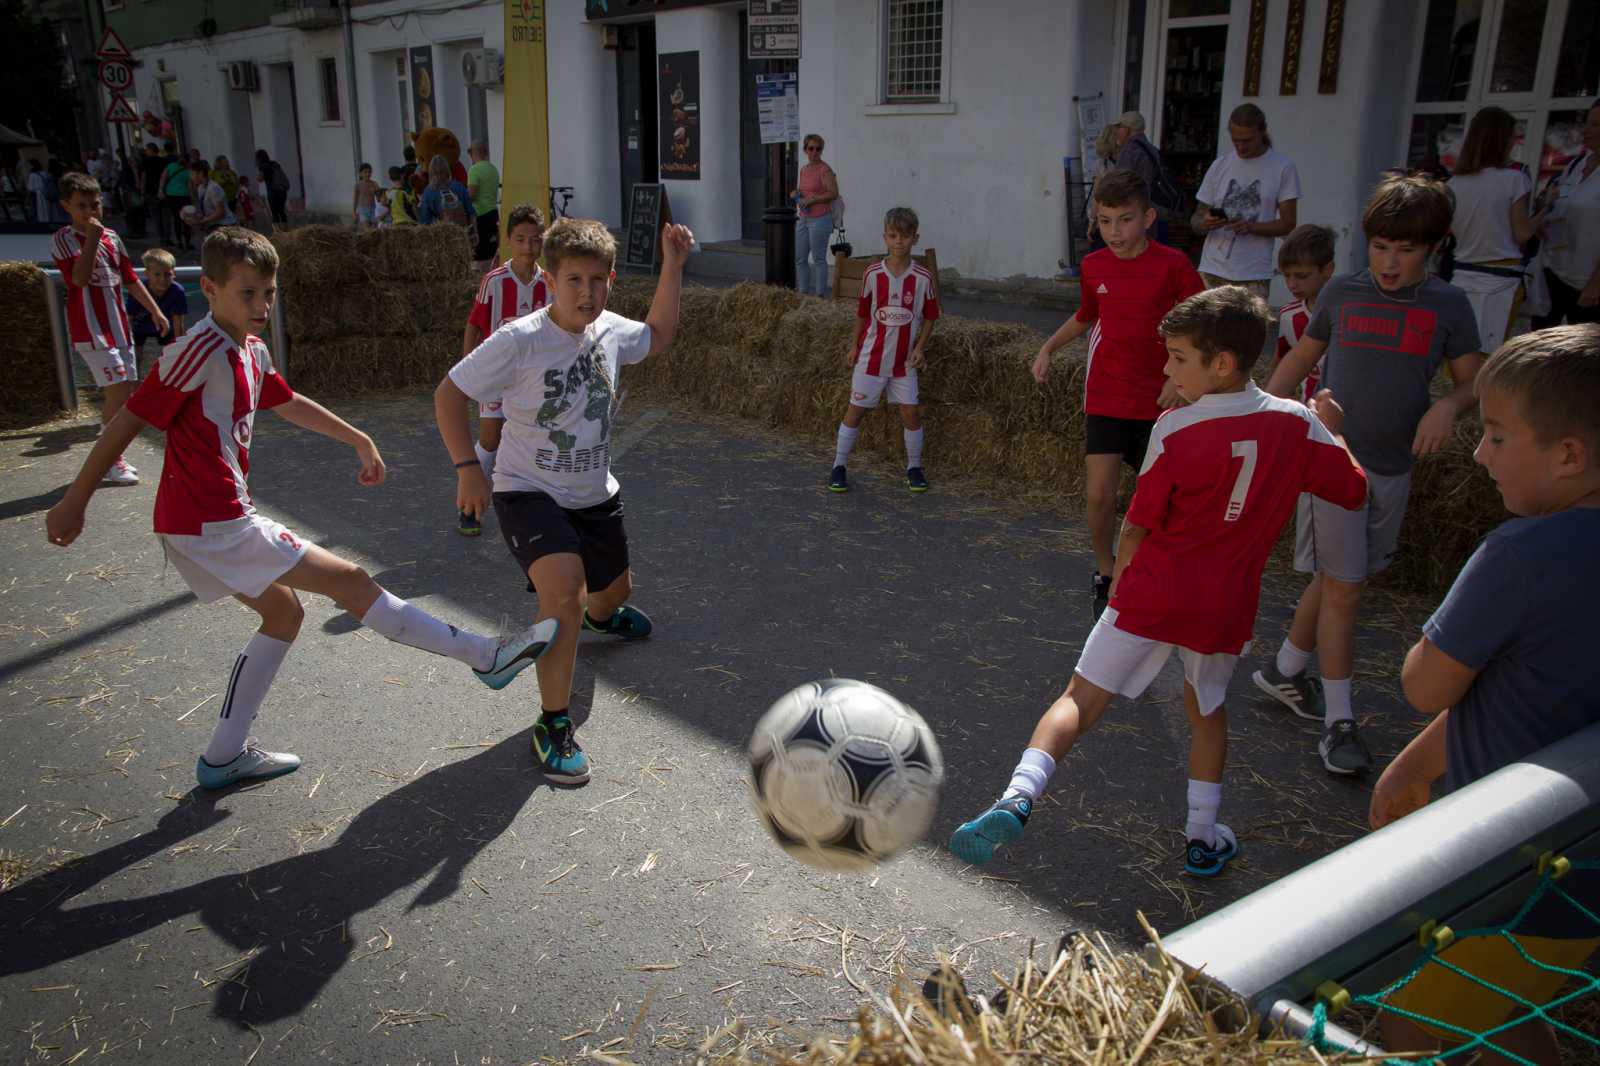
{"points": [[348, 366], [30, 393]]}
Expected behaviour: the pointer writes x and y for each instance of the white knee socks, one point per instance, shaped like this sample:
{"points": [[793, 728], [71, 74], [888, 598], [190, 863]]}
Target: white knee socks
{"points": [[252, 675], [1205, 798], [913, 448], [847, 440], [485, 460], [405, 624], [1031, 774]]}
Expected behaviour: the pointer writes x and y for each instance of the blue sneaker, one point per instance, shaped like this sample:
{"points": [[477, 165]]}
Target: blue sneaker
{"points": [[251, 764], [557, 749], [626, 622], [1201, 861], [975, 841], [516, 654]]}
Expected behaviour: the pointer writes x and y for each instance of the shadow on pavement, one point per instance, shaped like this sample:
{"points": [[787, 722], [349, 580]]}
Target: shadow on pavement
{"points": [[290, 917]]}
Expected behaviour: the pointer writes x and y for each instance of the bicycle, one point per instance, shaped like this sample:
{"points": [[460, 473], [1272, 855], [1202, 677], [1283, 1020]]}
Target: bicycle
{"points": [[560, 210]]}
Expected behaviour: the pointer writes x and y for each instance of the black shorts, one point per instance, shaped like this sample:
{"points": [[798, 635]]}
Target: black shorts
{"points": [[488, 230], [1127, 437], [534, 526]]}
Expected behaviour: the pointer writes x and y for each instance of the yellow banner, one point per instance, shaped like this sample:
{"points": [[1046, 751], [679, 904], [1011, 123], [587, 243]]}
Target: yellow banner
{"points": [[526, 173]]}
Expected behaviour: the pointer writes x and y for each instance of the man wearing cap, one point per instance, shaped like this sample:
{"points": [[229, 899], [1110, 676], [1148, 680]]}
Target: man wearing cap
{"points": [[1139, 155]]}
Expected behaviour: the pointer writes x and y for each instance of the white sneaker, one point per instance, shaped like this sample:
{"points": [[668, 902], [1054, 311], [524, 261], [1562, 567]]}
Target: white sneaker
{"points": [[122, 473], [252, 764]]}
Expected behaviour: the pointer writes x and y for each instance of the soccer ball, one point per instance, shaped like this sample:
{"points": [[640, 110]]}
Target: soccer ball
{"points": [[844, 775], [190, 214]]}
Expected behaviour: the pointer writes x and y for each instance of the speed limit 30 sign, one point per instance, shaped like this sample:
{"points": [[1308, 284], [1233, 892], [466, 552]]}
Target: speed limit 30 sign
{"points": [[116, 75]]}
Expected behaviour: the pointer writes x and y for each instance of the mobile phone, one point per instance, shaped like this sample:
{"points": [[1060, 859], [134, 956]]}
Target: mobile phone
{"points": [[1218, 215]]}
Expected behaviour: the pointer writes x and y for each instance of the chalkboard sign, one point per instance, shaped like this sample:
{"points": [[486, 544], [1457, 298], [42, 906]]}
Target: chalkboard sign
{"points": [[647, 213]]}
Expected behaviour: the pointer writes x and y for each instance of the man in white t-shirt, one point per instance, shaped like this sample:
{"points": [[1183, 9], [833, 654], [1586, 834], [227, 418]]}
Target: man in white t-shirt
{"points": [[1247, 200], [555, 372]]}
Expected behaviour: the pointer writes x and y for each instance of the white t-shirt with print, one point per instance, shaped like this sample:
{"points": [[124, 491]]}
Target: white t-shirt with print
{"points": [[558, 391], [1482, 219], [1249, 189]]}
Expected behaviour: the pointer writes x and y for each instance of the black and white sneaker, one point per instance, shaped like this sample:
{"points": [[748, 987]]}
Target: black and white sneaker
{"points": [[1102, 594], [837, 482], [1301, 692], [1342, 749]]}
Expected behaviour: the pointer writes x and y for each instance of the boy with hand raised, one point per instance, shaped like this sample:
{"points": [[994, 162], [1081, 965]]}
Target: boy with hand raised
{"points": [[1127, 287], [204, 394], [1219, 480], [1381, 335], [560, 510]]}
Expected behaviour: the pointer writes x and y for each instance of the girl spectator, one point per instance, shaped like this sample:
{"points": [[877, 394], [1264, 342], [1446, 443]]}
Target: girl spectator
{"points": [[445, 199]]}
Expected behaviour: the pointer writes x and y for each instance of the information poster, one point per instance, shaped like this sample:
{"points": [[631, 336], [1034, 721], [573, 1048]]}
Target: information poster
{"points": [[1091, 121], [679, 96], [778, 107], [424, 101]]}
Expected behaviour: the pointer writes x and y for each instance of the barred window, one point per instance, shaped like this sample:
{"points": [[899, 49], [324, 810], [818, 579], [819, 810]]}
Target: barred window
{"points": [[914, 51]]}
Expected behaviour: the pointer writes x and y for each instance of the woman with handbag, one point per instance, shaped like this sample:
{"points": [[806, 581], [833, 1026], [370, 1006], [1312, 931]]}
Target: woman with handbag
{"points": [[1491, 224], [818, 188]]}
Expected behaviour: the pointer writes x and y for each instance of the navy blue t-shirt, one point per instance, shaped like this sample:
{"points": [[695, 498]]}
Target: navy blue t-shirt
{"points": [[1523, 612], [172, 302]]}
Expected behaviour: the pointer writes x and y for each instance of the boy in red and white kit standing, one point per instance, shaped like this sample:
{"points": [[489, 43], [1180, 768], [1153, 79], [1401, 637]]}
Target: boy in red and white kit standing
{"points": [[1305, 259], [1127, 286], [97, 323], [515, 288], [1219, 480], [894, 319]]}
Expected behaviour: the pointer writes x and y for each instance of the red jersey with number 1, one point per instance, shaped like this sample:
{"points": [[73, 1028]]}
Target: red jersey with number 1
{"points": [[204, 395], [1220, 480], [503, 296], [895, 308], [1126, 300]]}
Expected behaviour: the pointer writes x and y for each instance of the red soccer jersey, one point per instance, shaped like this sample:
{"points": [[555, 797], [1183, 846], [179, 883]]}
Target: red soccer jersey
{"points": [[204, 395], [1219, 481], [1292, 321], [501, 297], [895, 308], [1126, 300], [95, 314]]}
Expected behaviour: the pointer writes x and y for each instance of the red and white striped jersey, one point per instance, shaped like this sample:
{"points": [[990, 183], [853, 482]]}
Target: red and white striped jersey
{"points": [[95, 314], [1220, 479], [204, 395], [1292, 322], [502, 296], [895, 308]]}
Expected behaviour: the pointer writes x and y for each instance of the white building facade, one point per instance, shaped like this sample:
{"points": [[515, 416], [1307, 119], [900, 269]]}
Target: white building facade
{"points": [[965, 110]]}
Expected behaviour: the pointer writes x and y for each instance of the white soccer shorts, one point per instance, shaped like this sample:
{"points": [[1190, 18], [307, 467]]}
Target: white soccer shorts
{"points": [[866, 389], [1123, 663], [109, 366], [243, 560]]}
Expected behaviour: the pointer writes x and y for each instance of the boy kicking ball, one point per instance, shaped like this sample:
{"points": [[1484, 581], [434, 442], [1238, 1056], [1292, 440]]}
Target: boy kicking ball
{"points": [[1219, 480], [204, 394], [560, 510], [894, 319]]}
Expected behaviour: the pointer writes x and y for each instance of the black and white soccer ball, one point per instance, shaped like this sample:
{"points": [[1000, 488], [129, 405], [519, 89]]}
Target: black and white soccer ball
{"points": [[843, 774]]}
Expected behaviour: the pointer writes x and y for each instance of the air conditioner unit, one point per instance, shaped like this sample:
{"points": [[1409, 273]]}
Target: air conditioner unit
{"points": [[482, 67], [242, 76]]}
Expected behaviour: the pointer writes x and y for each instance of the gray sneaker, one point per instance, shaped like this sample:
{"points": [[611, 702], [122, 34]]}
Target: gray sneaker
{"points": [[1301, 693], [1342, 749], [252, 764]]}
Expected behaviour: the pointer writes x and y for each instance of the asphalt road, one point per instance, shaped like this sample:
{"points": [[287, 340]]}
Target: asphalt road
{"points": [[418, 893]]}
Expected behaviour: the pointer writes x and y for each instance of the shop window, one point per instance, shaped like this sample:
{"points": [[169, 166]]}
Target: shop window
{"points": [[1188, 9], [1516, 53], [1435, 143], [1449, 42], [1578, 65], [1563, 141], [330, 89], [914, 49], [1133, 59]]}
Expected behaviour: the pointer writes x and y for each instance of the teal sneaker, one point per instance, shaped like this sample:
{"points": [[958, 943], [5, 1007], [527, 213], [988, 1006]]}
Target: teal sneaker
{"points": [[557, 749], [515, 654], [251, 764], [626, 622], [1201, 861], [975, 841]]}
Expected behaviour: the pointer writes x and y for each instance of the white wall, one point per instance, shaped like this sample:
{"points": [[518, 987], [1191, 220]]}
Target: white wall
{"points": [[582, 80], [986, 180], [1340, 143], [711, 206]]}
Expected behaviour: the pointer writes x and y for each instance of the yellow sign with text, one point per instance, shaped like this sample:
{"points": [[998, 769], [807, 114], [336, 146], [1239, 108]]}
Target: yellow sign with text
{"points": [[526, 177]]}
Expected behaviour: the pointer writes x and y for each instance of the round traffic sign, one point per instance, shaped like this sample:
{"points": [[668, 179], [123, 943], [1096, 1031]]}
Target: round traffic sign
{"points": [[115, 75]]}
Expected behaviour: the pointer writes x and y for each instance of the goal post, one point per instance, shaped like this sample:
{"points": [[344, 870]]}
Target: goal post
{"points": [[1354, 917]]}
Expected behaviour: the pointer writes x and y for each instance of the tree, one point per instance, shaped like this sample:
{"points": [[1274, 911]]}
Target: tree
{"points": [[33, 78]]}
